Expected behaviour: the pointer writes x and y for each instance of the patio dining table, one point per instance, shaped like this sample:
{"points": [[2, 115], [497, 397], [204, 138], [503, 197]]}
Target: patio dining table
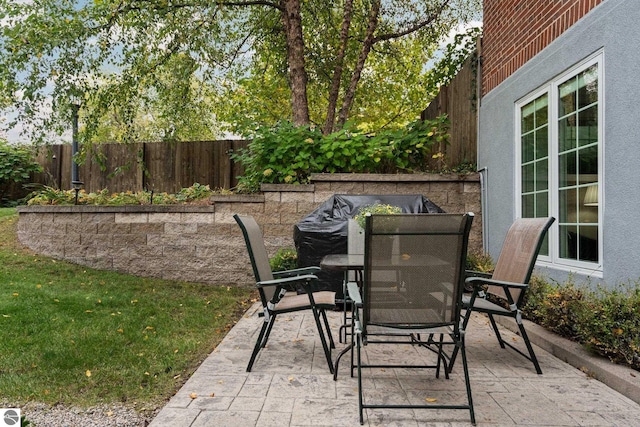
{"points": [[344, 263], [355, 263]]}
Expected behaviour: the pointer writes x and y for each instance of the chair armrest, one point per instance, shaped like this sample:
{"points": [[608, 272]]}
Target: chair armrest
{"points": [[478, 282], [296, 272], [287, 280], [487, 281], [354, 293], [474, 273]]}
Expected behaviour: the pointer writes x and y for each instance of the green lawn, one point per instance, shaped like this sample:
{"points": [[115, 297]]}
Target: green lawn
{"points": [[82, 337]]}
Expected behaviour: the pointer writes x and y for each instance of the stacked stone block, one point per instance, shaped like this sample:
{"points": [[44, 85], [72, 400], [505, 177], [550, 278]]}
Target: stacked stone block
{"points": [[203, 243]]}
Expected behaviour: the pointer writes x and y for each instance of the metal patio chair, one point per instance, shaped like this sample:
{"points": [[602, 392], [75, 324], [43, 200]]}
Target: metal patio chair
{"points": [[503, 293], [411, 294], [273, 287]]}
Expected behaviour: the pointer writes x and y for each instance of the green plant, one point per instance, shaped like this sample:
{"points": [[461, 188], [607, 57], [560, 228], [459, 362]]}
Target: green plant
{"points": [[286, 154], [605, 320], [463, 47], [410, 148], [284, 259], [350, 150], [535, 296], [375, 209], [17, 163], [84, 337], [479, 261], [559, 308], [50, 196], [608, 323], [554, 305], [197, 193], [283, 153], [194, 193]]}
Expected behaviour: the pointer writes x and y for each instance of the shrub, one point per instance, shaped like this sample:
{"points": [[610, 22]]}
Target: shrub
{"points": [[17, 163], [197, 193], [283, 153], [559, 308], [410, 148], [554, 306], [194, 193], [284, 259], [286, 154], [608, 323], [539, 288], [479, 261], [605, 320]]}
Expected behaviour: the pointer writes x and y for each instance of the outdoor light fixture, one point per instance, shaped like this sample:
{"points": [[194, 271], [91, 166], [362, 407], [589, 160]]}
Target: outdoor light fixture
{"points": [[76, 184]]}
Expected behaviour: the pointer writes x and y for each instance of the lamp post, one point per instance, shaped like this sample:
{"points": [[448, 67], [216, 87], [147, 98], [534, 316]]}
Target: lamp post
{"points": [[76, 184]]}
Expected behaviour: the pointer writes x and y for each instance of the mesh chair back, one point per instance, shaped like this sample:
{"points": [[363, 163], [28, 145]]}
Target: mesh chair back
{"points": [[257, 252], [414, 269], [519, 253]]}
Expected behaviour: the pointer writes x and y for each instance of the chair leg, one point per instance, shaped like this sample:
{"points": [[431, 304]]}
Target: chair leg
{"points": [[358, 338], [495, 330], [354, 315], [272, 320], [532, 355], [259, 344], [332, 344], [465, 368], [323, 340], [442, 360], [454, 354]]}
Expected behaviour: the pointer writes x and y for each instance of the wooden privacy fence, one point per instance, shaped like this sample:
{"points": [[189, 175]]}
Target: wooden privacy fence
{"points": [[161, 167], [458, 101], [169, 167]]}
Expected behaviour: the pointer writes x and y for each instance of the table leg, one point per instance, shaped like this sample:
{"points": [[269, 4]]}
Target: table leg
{"points": [[344, 325]]}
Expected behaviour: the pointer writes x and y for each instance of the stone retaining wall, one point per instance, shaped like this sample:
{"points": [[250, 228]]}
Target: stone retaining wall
{"points": [[203, 243]]}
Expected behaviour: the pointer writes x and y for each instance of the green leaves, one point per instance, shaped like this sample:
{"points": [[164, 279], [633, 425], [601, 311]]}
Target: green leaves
{"points": [[17, 162], [178, 71], [197, 193], [455, 55], [288, 154], [604, 319]]}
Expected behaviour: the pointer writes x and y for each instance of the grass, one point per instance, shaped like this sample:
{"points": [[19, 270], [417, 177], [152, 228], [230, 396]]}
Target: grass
{"points": [[84, 337]]}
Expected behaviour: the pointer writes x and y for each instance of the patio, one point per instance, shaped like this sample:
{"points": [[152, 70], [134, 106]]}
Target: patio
{"points": [[290, 385]]}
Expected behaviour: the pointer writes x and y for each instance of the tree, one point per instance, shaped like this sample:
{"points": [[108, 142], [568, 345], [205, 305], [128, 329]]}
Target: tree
{"points": [[118, 55]]}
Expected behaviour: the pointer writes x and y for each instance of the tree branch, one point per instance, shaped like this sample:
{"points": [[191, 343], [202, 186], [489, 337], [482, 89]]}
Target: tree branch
{"points": [[251, 3], [339, 67], [415, 27], [362, 58]]}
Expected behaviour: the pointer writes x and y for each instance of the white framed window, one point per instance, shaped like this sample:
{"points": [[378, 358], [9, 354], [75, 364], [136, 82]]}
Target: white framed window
{"points": [[559, 153]]}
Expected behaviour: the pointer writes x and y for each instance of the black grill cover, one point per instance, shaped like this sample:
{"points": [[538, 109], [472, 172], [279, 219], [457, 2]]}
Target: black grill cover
{"points": [[324, 231]]}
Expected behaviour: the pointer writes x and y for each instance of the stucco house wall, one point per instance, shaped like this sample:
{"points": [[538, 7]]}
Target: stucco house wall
{"points": [[610, 28]]}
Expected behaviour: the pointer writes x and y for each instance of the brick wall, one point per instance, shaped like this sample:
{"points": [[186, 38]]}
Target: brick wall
{"points": [[203, 243], [516, 30]]}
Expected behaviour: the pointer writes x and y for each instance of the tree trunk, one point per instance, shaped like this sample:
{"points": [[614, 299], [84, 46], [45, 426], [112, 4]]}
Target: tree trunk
{"points": [[295, 58], [338, 69], [362, 58]]}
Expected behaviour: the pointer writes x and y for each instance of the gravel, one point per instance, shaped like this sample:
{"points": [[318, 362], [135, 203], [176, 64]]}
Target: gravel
{"points": [[41, 415]]}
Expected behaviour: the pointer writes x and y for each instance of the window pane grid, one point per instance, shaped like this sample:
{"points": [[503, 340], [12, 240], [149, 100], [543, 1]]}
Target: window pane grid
{"points": [[535, 160], [578, 166], [569, 190]]}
